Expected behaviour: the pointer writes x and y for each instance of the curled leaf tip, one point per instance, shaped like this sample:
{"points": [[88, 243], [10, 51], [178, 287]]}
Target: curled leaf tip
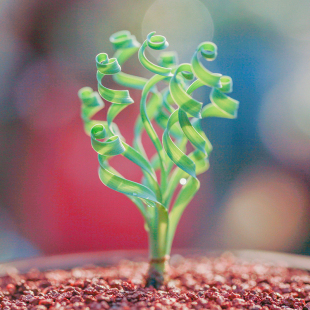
{"points": [[98, 132], [226, 84], [90, 98], [106, 65], [123, 39], [156, 42], [209, 51], [111, 147]]}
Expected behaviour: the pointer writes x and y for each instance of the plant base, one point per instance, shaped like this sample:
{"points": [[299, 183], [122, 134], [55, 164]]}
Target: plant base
{"points": [[157, 274]]}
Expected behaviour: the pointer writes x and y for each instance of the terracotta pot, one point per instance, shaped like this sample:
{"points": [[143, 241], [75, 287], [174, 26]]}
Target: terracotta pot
{"points": [[68, 261]]}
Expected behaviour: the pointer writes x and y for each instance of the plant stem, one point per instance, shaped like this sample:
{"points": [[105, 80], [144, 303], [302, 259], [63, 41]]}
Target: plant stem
{"points": [[158, 230], [157, 272]]}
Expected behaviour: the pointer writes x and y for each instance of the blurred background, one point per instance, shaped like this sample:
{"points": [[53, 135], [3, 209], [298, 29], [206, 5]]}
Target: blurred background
{"points": [[256, 193]]}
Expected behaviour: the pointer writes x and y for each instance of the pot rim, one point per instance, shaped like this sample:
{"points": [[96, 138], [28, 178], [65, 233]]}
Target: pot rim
{"points": [[68, 261]]}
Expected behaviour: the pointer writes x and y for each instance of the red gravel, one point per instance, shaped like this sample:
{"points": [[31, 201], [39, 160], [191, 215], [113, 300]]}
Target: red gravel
{"points": [[201, 283]]}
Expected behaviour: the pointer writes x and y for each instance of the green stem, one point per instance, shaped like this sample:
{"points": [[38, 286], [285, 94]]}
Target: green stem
{"points": [[158, 230], [151, 131], [157, 274]]}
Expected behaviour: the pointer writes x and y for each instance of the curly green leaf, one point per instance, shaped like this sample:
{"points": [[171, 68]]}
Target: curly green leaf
{"points": [[110, 66], [179, 94], [174, 153], [156, 42], [209, 51]]}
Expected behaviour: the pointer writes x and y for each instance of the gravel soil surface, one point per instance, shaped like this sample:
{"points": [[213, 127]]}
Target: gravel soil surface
{"points": [[198, 283]]}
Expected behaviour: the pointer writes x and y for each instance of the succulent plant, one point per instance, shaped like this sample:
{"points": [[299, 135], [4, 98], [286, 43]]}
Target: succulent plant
{"points": [[175, 111]]}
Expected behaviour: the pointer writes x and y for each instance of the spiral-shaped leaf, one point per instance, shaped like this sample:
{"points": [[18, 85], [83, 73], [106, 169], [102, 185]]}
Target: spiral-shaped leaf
{"points": [[110, 66], [126, 45], [91, 104], [179, 94], [209, 51], [111, 147], [156, 42], [174, 153]]}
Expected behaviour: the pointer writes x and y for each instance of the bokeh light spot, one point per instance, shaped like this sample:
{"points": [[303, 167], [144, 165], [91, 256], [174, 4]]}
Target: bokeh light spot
{"points": [[183, 181], [266, 209], [184, 23], [284, 120]]}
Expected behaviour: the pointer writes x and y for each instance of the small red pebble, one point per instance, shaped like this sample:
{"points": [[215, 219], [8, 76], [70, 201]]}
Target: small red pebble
{"points": [[89, 298], [192, 295], [11, 288], [104, 305], [99, 288], [40, 307], [220, 300], [20, 303], [46, 302], [75, 299], [6, 303], [79, 283], [103, 297], [128, 286], [232, 296], [159, 306], [215, 307], [115, 283], [90, 291], [34, 300]]}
